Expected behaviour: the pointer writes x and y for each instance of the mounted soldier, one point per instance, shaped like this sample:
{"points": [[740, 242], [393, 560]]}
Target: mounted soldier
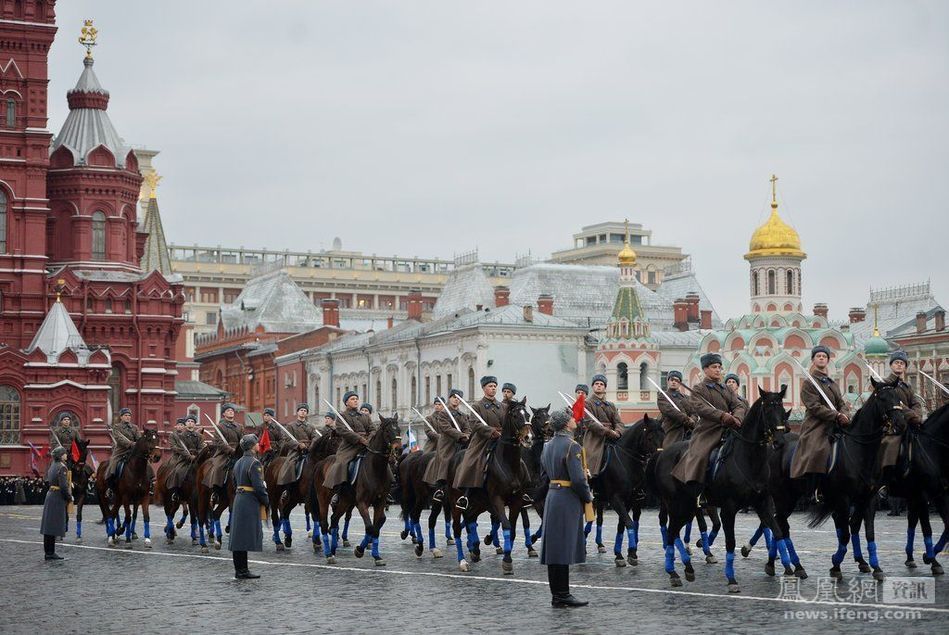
{"points": [[185, 445], [892, 450], [226, 452], [677, 417], [606, 428], [452, 429], [62, 434], [470, 472], [585, 421], [304, 434], [278, 440], [508, 391], [719, 409], [247, 533], [812, 456], [124, 435], [354, 437]]}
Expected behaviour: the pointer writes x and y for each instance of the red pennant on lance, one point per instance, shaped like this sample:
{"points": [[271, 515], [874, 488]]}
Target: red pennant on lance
{"points": [[74, 451], [265, 441], [578, 407]]}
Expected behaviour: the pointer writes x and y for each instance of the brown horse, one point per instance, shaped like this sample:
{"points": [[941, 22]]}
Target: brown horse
{"points": [[80, 482], [131, 489], [207, 510], [184, 501], [370, 489], [283, 498]]}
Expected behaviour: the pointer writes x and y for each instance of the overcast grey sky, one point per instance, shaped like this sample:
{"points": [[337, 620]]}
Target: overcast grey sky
{"points": [[430, 128]]}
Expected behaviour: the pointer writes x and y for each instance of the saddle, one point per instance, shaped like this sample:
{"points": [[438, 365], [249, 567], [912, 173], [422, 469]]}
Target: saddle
{"points": [[608, 452], [718, 455], [353, 468]]}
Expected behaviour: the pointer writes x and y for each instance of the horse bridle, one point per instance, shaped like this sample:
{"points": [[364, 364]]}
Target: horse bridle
{"points": [[768, 437]]}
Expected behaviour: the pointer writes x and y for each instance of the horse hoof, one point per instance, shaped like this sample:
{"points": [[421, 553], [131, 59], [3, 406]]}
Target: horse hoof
{"points": [[359, 552], [600, 549], [800, 572], [675, 579], [927, 559], [288, 542], [531, 552], [633, 560], [710, 559], [910, 563], [499, 550], [836, 574], [689, 576], [204, 549], [688, 549], [487, 539], [450, 542], [769, 569], [864, 567], [148, 543], [346, 543], [309, 534], [733, 587], [937, 569], [331, 560], [419, 549], [475, 557], [227, 529], [217, 546], [788, 571], [194, 542], [134, 536], [620, 562], [180, 524], [463, 566], [878, 575], [380, 562], [507, 568], [404, 534], [279, 546], [414, 540], [746, 551], [78, 540]]}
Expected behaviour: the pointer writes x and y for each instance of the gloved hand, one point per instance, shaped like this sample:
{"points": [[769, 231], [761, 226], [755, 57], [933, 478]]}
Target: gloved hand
{"points": [[495, 434], [843, 419], [731, 420]]}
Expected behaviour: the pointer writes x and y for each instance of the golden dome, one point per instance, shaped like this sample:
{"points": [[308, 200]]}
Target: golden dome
{"points": [[775, 237], [626, 255]]}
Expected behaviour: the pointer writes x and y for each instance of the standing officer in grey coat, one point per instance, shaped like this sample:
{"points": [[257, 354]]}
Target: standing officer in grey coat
{"points": [[562, 465], [247, 533], [54, 508]]}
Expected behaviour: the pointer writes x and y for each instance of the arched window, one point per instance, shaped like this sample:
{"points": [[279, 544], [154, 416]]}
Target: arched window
{"points": [[414, 396], [772, 282], [395, 394], [378, 394], [644, 376], [9, 415], [790, 282], [3, 223], [754, 283], [11, 113], [622, 376], [471, 378], [98, 236]]}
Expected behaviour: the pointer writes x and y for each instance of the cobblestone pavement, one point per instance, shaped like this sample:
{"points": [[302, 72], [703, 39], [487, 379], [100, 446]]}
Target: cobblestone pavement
{"points": [[174, 588]]}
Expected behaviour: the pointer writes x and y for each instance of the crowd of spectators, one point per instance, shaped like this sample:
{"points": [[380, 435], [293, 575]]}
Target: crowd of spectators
{"points": [[22, 490]]}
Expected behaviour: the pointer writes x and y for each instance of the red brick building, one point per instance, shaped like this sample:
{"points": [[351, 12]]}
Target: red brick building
{"points": [[69, 228]]}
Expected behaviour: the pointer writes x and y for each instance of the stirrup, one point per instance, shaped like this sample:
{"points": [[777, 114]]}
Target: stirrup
{"points": [[527, 498], [817, 496], [335, 500], [109, 494], [439, 495], [462, 503], [214, 497], [174, 496]]}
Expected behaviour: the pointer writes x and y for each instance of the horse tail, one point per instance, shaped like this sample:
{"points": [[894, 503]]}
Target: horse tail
{"points": [[818, 514]]}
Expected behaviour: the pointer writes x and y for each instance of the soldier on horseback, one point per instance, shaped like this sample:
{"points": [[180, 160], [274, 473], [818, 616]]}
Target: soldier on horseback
{"points": [[305, 434], [733, 383], [451, 431], [276, 436], [812, 457], [353, 439], [124, 435], [719, 409], [508, 390], [677, 417], [185, 445], [62, 434], [583, 423], [226, 451], [470, 472], [609, 427], [892, 450]]}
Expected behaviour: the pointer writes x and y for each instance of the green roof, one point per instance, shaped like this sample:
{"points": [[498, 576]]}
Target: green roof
{"points": [[627, 305], [876, 345]]}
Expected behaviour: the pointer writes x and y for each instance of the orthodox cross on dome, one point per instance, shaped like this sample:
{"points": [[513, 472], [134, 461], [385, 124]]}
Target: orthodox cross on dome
{"points": [[60, 285], [88, 37], [774, 188], [151, 179]]}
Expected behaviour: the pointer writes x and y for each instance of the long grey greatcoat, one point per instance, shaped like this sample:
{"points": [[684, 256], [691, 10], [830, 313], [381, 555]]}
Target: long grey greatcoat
{"points": [[349, 445], [675, 423], [563, 509], [431, 441], [813, 448], [185, 446], [595, 437], [470, 472], [125, 435], [890, 444], [301, 431], [708, 432], [448, 436], [54, 507], [223, 453], [247, 533]]}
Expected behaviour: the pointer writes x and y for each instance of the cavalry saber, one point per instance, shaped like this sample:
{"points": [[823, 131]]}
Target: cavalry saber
{"points": [[286, 432], [425, 420], [339, 416], [692, 392], [585, 411], [877, 375], [451, 416], [814, 381], [649, 379], [935, 381], [468, 406], [219, 433]]}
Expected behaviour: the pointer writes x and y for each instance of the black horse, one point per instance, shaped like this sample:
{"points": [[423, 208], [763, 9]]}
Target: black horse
{"points": [[739, 481], [850, 488], [80, 481], [924, 483]]}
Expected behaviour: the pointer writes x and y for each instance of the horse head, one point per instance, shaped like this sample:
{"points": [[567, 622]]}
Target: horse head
{"points": [[539, 423], [886, 405], [387, 438], [516, 425], [642, 439], [147, 445], [766, 415]]}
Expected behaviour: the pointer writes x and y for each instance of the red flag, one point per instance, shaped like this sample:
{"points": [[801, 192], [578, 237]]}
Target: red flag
{"points": [[265, 441], [74, 451], [578, 407]]}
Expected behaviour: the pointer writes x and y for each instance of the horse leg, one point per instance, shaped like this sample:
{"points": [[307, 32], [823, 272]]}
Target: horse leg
{"points": [[528, 537], [349, 516], [942, 506], [497, 506], [843, 539], [415, 517], [129, 525], [146, 523], [378, 520], [868, 523], [663, 523], [363, 509], [912, 519], [218, 535], [707, 538], [80, 501], [728, 521], [855, 521], [449, 536], [621, 524], [492, 537], [600, 508], [456, 532], [632, 555], [285, 515], [671, 536], [764, 507], [275, 520], [184, 515]]}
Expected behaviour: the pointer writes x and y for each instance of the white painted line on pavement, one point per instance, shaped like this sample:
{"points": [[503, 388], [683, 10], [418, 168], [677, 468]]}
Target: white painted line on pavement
{"points": [[482, 578]]}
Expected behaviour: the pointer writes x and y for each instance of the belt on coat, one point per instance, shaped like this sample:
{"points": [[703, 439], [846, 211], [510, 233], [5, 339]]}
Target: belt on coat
{"points": [[245, 488], [54, 488], [560, 483]]}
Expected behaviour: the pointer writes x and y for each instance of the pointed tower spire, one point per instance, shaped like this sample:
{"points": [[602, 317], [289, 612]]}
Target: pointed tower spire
{"points": [[155, 256], [57, 332]]}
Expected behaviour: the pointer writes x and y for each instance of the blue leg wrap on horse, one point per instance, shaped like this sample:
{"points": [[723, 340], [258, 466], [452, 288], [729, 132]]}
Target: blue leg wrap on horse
{"points": [[783, 550], [366, 539], [375, 547], [334, 540], [942, 543], [129, 528], [109, 527], [408, 524], [768, 537], [586, 528], [772, 551], [670, 559], [78, 529], [791, 551], [706, 543], [688, 532], [148, 532], [169, 524], [508, 541], [448, 533], [495, 525], [286, 527], [910, 539], [712, 536], [473, 532], [194, 528], [730, 565], [459, 548], [755, 536], [418, 533], [327, 552], [618, 543], [201, 538], [276, 534], [683, 554], [872, 550], [928, 541], [307, 516], [662, 531], [632, 537], [636, 529], [857, 549], [346, 529], [217, 529], [838, 556], [431, 537], [599, 533]]}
